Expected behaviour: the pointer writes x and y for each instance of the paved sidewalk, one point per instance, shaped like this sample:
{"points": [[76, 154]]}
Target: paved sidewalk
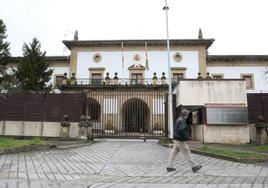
{"points": [[122, 164]]}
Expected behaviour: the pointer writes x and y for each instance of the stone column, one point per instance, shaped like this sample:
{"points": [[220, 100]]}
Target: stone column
{"points": [[65, 127]]}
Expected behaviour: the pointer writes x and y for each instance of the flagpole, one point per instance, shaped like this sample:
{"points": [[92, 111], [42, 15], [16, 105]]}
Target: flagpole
{"points": [[123, 61], [146, 60], [170, 106]]}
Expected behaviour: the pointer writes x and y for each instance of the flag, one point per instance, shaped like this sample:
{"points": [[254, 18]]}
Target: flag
{"points": [[123, 60], [146, 57]]}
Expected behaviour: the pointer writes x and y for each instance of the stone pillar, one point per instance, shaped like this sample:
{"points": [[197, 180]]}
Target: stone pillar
{"points": [[261, 131], [85, 131], [65, 127], [154, 79], [163, 78]]}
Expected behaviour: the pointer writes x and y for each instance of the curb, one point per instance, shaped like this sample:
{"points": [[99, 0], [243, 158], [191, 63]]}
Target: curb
{"points": [[228, 158], [220, 156], [43, 147]]}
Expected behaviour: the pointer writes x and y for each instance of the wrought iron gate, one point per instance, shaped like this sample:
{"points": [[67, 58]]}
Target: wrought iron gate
{"points": [[127, 111]]}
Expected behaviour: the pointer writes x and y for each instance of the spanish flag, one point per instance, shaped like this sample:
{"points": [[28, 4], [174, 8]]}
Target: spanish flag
{"points": [[146, 57], [123, 60]]}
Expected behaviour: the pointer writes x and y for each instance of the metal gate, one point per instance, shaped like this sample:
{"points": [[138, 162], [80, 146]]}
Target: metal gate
{"points": [[127, 111]]}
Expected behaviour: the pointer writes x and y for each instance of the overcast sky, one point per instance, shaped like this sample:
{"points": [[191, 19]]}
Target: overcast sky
{"points": [[238, 26]]}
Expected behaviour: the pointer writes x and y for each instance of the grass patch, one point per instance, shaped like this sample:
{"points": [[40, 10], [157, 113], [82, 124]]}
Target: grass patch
{"points": [[6, 142], [262, 148], [243, 155]]}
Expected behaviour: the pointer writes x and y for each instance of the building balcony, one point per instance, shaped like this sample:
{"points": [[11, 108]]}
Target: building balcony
{"points": [[127, 82]]}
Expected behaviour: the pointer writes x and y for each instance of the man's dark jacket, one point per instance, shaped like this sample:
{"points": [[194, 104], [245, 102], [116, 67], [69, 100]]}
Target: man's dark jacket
{"points": [[182, 131]]}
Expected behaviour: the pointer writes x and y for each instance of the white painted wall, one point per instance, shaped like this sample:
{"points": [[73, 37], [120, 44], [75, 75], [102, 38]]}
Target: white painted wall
{"points": [[226, 134], [260, 81], [40, 129], [57, 71], [195, 92], [112, 62]]}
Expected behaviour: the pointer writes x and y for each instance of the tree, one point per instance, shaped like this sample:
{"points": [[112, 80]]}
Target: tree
{"points": [[33, 73], [4, 57]]}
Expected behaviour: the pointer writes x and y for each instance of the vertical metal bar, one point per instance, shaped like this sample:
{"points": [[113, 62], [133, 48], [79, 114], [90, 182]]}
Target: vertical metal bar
{"points": [[158, 111], [141, 111], [104, 111], [146, 118]]}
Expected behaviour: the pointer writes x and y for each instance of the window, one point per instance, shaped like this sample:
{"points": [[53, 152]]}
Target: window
{"points": [[136, 78], [96, 75], [59, 80], [136, 73], [249, 80], [178, 73], [177, 76], [217, 76], [96, 78]]}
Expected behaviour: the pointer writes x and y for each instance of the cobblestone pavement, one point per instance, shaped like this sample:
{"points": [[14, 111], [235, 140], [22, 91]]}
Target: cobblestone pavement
{"points": [[122, 164]]}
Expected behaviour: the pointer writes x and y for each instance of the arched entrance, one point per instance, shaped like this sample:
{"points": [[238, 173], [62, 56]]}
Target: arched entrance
{"points": [[135, 116], [93, 110]]}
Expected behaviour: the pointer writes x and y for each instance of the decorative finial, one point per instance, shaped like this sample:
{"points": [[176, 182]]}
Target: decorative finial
{"points": [[200, 34], [208, 76], [199, 75], [76, 35]]}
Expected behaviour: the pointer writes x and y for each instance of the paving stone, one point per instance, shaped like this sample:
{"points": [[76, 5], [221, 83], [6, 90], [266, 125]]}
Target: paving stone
{"points": [[122, 164]]}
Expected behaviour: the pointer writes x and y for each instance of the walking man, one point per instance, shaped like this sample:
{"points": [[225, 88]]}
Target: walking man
{"points": [[182, 133]]}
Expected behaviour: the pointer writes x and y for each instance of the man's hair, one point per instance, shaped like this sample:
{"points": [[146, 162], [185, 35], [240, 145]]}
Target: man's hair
{"points": [[185, 112]]}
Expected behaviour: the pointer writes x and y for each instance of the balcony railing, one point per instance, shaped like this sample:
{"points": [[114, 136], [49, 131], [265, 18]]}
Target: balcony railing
{"points": [[119, 82]]}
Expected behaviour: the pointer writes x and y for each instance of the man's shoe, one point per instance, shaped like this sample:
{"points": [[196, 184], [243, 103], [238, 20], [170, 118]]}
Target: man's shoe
{"points": [[170, 169], [196, 168]]}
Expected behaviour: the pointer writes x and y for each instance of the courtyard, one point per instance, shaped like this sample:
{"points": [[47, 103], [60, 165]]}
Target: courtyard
{"points": [[122, 163]]}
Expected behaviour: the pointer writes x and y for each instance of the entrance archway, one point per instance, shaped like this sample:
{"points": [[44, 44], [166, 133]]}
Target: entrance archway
{"points": [[135, 116], [93, 110]]}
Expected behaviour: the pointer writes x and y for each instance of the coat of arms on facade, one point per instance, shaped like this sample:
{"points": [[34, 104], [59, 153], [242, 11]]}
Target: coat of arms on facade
{"points": [[136, 57]]}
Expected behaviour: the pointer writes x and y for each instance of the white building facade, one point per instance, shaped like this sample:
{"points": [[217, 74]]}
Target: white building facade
{"points": [[212, 85]]}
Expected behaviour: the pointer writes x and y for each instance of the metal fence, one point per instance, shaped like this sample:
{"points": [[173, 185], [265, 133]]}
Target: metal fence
{"points": [[114, 111], [40, 107], [127, 112], [257, 106]]}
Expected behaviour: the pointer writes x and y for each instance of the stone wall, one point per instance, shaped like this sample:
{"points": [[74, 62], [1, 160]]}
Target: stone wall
{"points": [[39, 129], [227, 134], [197, 133], [201, 92]]}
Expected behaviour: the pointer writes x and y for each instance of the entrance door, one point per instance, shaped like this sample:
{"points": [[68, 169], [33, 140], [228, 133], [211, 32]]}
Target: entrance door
{"points": [[135, 116]]}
